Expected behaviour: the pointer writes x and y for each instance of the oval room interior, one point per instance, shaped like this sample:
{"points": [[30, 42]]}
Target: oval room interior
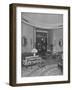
{"points": [[41, 44]]}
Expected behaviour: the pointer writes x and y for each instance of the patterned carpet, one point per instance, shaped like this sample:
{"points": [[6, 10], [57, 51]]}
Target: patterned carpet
{"points": [[50, 68]]}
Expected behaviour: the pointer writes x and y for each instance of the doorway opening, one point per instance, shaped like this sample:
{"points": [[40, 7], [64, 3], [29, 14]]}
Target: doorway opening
{"points": [[41, 42]]}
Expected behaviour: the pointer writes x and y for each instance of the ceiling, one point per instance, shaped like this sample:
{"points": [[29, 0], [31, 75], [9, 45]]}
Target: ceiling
{"points": [[43, 20]]}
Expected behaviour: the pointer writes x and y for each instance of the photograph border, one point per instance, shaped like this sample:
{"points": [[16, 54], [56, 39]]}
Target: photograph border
{"points": [[12, 43]]}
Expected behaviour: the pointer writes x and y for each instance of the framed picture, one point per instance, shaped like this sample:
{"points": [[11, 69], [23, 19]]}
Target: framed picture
{"points": [[39, 44]]}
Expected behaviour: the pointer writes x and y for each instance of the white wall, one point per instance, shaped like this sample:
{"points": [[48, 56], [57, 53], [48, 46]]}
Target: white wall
{"points": [[27, 32], [57, 36], [4, 45]]}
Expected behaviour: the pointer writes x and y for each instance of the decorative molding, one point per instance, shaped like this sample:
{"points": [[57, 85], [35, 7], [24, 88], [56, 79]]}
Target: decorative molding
{"points": [[50, 26]]}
